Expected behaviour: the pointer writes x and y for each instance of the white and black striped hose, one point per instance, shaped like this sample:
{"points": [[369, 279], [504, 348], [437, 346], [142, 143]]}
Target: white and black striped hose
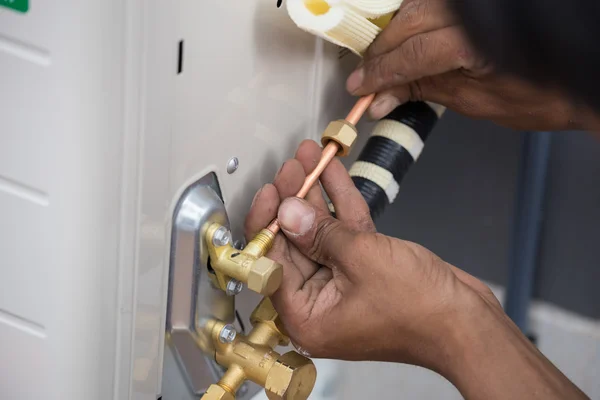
{"points": [[394, 146]]}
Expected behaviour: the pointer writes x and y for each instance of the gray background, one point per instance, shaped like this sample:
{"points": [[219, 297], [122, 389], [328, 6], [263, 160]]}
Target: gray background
{"points": [[458, 202]]}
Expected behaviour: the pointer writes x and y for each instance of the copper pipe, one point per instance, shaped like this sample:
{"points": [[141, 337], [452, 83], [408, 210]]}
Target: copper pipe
{"points": [[328, 154], [359, 109]]}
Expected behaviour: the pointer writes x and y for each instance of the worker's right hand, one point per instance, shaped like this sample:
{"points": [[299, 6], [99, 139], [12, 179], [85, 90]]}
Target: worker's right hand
{"points": [[349, 292], [424, 55], [353, 294]]}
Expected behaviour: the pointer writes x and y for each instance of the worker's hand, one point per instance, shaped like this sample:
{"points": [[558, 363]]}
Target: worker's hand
{"points": [[424, 55], [348, 292]]}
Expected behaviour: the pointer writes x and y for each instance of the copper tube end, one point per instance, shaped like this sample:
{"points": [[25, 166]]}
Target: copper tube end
{"points": [[274, 227]]}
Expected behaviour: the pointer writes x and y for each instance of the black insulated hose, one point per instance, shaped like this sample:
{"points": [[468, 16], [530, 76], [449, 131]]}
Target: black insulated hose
{"points": [[395, 144]]}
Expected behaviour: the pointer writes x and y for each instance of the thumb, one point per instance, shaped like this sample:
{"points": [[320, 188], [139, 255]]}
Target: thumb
{"points": [[315, 232]]}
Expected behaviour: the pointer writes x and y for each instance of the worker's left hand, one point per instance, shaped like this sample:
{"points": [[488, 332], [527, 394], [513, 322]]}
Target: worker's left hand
{"points": [[424, 55]]}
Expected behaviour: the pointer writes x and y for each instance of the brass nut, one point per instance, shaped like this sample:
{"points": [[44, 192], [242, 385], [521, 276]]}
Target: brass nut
{"points": [[343, 133], [292, 377], [265, 276], [216, 392]]}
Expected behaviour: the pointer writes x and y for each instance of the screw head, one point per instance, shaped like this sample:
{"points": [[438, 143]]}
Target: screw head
{"points": [[227, 334], [222, 237], [232, 165], [234, 287], [239, 244]]}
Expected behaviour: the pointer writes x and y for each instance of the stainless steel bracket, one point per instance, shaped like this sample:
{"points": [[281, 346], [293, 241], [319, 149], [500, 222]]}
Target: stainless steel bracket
{"points": [[192, 298]]}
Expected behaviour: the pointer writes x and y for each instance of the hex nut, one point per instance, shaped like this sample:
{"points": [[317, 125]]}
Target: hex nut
{"points": [[234, 287], [227, 334], [216, 392], [343, 133], [292, 377], [221, 237], [265, 276]]}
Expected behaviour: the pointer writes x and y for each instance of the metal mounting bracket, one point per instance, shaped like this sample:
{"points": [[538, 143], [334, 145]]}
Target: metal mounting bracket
{"points": [[192, 298]]}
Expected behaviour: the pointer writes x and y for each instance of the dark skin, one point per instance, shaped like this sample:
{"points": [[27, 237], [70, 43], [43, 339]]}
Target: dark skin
{"points": [[353, 294], [424, 55]]}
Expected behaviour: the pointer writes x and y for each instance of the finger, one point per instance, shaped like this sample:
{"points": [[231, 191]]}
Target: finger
{"points": [[295, 271], [309, 154], [413, 17], [350, 206], [316, 233], [420, 56], [441, 89], [262, 211], [386, 101], [289, 179]]}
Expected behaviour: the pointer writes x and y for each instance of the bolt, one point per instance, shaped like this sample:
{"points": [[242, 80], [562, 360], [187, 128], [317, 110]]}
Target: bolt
{"points": [[227, 334], [239, 244], [222, 237], [232, 165], [234, 287]]}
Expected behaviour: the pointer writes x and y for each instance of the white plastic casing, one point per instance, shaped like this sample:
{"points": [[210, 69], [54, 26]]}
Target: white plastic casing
{"points": [[99, 134]]}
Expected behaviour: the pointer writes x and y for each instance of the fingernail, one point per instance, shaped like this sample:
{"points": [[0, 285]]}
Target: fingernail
{"points": [[355, 80], [296, 216], [383, 106], [280, 169], [256, 196]]}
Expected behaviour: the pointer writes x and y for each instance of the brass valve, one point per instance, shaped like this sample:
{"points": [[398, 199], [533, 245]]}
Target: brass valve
{"points": [[290, 376], [249, 266]]}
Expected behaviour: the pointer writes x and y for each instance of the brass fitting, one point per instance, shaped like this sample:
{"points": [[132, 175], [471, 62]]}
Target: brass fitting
{"points": [[216, 392], [343, 133], [250, 266], [288, 376]]}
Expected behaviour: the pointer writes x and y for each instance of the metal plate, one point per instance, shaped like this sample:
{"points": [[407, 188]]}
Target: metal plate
{"points": [[191, 295]]}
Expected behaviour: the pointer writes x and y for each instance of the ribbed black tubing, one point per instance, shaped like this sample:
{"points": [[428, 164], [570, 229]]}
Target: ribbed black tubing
{"points": [[390, 155]]}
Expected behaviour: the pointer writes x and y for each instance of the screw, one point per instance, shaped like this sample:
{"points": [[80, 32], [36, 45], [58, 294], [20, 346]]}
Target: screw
{"points": [[227, 334], [222, 237], [234, 287], [232, 165], [239, 244]]}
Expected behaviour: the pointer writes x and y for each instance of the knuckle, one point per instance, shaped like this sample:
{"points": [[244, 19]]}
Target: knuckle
{"points": [[468, 60], [363, 218], [413, 14], [385, 72], [414, 49], [469, 57], [320, 251], [377, 72]]}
